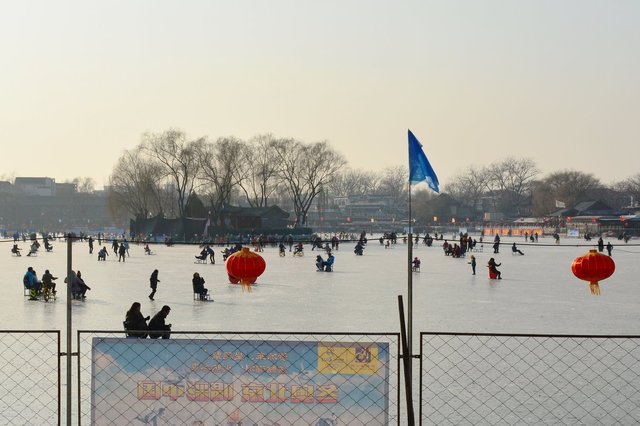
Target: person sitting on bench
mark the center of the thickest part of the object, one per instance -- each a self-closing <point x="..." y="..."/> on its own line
<point x="135" y="323"/>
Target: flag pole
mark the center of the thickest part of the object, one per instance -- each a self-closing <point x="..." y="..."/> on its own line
<point x="410" y="291"/>
<point x="419" y="171"/>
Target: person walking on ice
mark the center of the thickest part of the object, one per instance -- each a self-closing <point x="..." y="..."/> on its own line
<point x="153" y="283"/>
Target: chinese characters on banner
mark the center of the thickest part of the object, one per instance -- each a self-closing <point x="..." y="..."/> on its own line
<point x="201" y="382"/>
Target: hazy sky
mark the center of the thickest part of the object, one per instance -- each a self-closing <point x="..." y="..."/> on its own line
<point x="477" y="81"/>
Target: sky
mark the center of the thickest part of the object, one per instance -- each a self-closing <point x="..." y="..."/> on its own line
<point x="476" y="81"/>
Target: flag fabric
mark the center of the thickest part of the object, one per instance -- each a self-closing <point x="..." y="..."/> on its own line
<point x="420" y="169"/>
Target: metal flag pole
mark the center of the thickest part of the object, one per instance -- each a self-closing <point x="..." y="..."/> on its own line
<point x="69" y="277"/>
<point x="410" y="285"/>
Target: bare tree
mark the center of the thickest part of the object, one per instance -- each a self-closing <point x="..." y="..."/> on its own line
<point x="510" y="182"/>
<point x="354" y="182"/>
<point x="395" y="183"/>
<point x="258" y="175"/>
<point x="305" y="169"/>
<point x="218" y="164"/>
<point x="179" y="161"/>
<point x="469" y="187"/>
<point x="134" y="184"/>
<point x="84" y="184"/>
<point x="569" y="186"/>
<point x="630" y="188"/>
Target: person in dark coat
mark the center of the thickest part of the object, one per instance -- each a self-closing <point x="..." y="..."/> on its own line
<point x="122" y="250"/>
<point x="48" y="281"/>
<point x="82" y="286"/>
<point x="157" y="326"/>
<point x="515" y="249"/>
<point x="153" y="283"/>
<point x="493" y="268"/>
<point x="198" y="286"/>
<point x="135" y="323"/>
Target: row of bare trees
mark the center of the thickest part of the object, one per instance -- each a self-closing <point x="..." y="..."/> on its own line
<point x="159" y="176"/>
<point x="513" y="187"/>
<point x="162" y="173"/>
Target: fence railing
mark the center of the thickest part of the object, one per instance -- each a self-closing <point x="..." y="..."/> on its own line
<point x="476" y="379"/>
<point x="295" y="392"/>
<point x="30" y="377"/>
<point x="466" y="379"/>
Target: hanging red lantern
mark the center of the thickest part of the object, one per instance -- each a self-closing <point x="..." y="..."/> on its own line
<point x="593" y="267"/>
<point x="245" y="266"/>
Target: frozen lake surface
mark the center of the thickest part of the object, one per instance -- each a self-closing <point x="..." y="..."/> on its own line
<point x="538" y="292"/>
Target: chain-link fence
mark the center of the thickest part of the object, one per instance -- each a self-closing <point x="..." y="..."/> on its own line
<point x="225" y="378"/>
<point x="29" y="377"/>
<point x="476" y="379"/>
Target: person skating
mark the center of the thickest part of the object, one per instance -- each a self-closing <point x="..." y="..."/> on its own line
<point x="122" y="250"/>
<point x="153" y="283"/>
<point x="473" y="265"/>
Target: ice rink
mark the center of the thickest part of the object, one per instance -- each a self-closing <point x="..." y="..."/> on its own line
<point x="538" y="292"/>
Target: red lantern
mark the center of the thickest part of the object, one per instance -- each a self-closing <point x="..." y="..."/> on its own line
<point x="593" y="267"/>
<point x="245" y="266"/>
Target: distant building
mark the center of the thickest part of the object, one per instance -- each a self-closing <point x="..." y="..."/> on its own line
<point x="65" y="189"/>
<point x="42" y="186"/>
<point x="272" y="217"/>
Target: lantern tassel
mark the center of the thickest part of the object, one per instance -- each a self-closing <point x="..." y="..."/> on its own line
<point x="246" y="286"/>
<point x="595" y="288"/>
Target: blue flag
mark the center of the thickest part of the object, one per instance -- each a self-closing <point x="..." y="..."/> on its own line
<point x="419" y="168"/>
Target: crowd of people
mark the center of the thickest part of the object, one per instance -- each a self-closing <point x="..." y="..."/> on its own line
<point x="139" y="326"/>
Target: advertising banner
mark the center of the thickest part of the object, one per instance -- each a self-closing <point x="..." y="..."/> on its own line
<point x="239" y="382"/>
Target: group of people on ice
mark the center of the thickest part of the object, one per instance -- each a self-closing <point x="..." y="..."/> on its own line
<point x="325" y="265"/>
